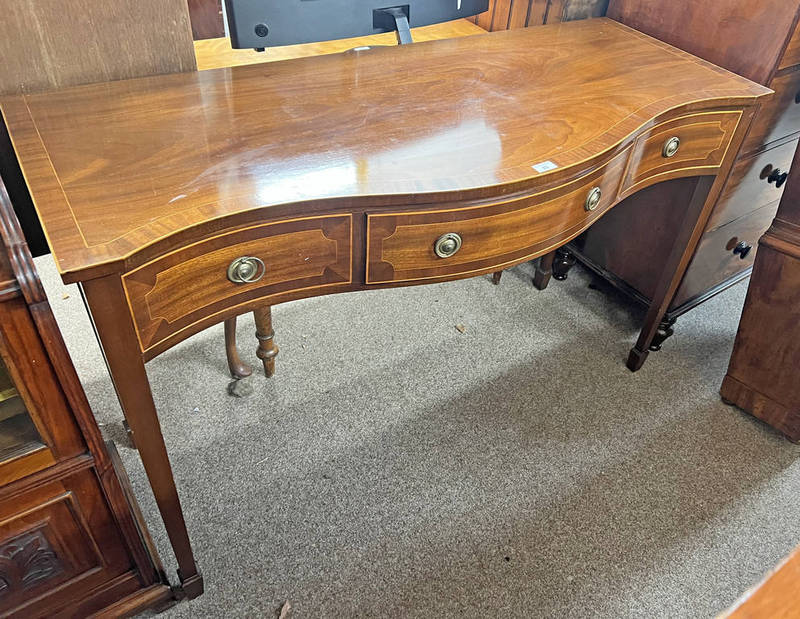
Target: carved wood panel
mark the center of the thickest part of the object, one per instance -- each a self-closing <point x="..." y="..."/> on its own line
<point x="45" y="545"/>
<point x="26" y="561"/>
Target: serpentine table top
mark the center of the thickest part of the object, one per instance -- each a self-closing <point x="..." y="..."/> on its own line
<point x="116" y="168"/>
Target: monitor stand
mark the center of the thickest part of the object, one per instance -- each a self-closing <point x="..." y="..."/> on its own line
<point x="394" y="18"/>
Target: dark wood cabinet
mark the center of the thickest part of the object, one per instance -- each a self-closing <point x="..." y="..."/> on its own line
<point x="70" y="541"/>
<point x="510" y="14"/>
<point x="630" y="245"/>
<point x="762" y="375"/>
<point x="206" y="18"/>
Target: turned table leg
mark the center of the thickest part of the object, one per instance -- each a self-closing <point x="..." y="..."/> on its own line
<point x="108" y="307"/>
<point x="267" y="350"/>
<point x="237" y="367"/>
<point x="496" y="277"/>
<point x="544" y="271"/>
<point x="563" y="261"/>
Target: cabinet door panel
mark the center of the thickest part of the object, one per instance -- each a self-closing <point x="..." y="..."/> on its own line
<point x="46" y="433"/>
<point x="57" y="542"/>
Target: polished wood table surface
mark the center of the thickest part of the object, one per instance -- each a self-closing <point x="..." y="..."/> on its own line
<point x="179" y="201"/>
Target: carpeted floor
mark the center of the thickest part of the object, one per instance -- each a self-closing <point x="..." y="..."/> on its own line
<point x="396" y="467"/>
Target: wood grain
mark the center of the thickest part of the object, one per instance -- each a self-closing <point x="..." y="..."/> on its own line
<point x="748" y="188"/>
<point x="778" y="117"/>
<point x="774" y="598"/>
<point x="307" y="253"/>
<point x="400" y="246"/>
<point x="714" y="261"/>
<point x="704" y="141"/>
<point x="510" y="14"/>
<point x="791" y="56"/>
<point x="737" y="35"/>
<point x="629" y="246"/>
<point x="65" y="494"/>
<point x="762" y="375"/>
<point x="206" y="18"/>
<point x="215" y="53"/>
<point x="131" y="177"/>
<point x="115" y="329"/>
<point x="48" y="44"/>
<point x="30" y="369"/>
<point x="67" y="518"/>
<point x="242" y="142"/>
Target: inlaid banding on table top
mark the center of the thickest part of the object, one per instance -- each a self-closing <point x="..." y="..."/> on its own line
<point x="119" y="168"/>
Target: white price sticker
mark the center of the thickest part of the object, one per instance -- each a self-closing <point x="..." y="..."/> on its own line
<point x="545" y="166"/>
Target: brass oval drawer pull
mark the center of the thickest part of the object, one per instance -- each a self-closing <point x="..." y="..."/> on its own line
<point x="246" y="270"/>
<point x="671" y="147"/>
<point x="447" y="245"/>
<point x="593" y="199"/>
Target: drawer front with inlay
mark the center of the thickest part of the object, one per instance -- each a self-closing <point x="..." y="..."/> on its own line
<point x="779" y="117"/>
<point x="173" y="292"/>
<point x="754" y="182"/>
<point x="686" y="146"/>
<point x="427" y="245"/>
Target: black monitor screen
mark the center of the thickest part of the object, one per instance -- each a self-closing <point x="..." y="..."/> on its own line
<point x="270" y="23"/>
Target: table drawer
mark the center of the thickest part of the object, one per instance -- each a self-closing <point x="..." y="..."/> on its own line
<point x="779" y="116"/>
<point x="717" y="258"/>
<point x="401" y="246"/>
<point x="173" y="292"/>
<point x="686" y="146"/>
<point x="755" y="182"/>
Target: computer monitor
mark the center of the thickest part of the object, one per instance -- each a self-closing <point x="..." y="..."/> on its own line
<point x="270" y="23"/>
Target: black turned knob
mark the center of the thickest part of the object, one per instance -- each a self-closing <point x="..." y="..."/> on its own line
<point x="742" y="248"/>
<point x="777" y="177"/>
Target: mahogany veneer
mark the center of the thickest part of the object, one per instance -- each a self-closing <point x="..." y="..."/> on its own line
<point x="762" y="377"/>
<point x="759" y="40"/>
<point x="72" y="542"/>
<point x="341" y="173"/>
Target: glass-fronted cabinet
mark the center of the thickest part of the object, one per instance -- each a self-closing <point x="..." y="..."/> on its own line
<point x="37" y="428"/>
<point x="18" y="434"/>
<point x="72" y="542"/>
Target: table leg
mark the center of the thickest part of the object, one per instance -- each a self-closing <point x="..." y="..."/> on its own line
<point x="267" y="350"/>
<point x="691" y="229"/>
<point x="544" y="270"/>
<point x="109" y="311"/>
<point x="706" y="193"/>
<point x="237" y="367"/>
<point x="496" y="277"/>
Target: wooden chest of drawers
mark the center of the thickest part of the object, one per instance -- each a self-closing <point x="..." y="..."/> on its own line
<point x="761" y="41"/>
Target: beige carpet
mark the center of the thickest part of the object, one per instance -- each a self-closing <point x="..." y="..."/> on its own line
<point x="396" y="467"/>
